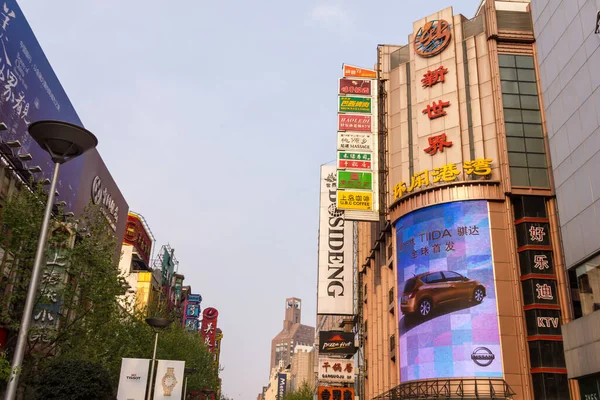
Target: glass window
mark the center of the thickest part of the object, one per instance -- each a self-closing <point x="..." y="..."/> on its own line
<point x="532" y="117"/>
<point x="526" y="75"/>
<point x="528" y="88"/>
<point x="588" y="283"/>
<point x="434" y="277"/>
<point x="506" y="60"/>
<point x="515" y="144"/>
<point x="513" y="129"/>
<point x="512" y="115"/>
<point x="536" y="160"/>
<point x="511" y="101"/>
<point x="517" y="159"/>
<point x="510" y="87"/>
<point x="508" y="74"/>
<point x="519" y="176"/>
<point x="452" y="276"/>
<point x="524" y="62"/>
<point x="533" y="130"/>
<point x="530" y="102"/>
<point x="534" y="145"/>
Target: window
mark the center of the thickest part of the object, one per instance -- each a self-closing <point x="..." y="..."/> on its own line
<point x="434" y="277"/>
<point x="453" y="276"/>
<point x="523" y="122"/>
<point x="588" y="287"/>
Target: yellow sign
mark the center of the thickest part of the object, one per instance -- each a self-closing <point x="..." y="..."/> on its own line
<point x="362" y="201"/>
<point x="445" y="173"/>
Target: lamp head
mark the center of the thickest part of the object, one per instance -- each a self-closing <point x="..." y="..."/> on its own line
<point x="62" y="140"/>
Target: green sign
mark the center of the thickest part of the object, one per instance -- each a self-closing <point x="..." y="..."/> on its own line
<point x="355" y="180"/>
<point x="355" y="156"/>
<point x="355" y="104"/>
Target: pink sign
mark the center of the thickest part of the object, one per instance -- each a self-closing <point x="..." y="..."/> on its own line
<point x="349" y="122"/>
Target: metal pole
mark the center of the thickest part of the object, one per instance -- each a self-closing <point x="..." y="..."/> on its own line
<point x="17" y="361"/>
<point x="185" y="388"/>
<point x="152" y="369"/>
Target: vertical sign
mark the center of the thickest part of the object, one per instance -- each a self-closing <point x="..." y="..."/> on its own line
<point x="281" y="385"/>
<point x="209" y="327"/>
<point x="133" y="379"/>
<point x="335" y="286"/>
<point x="169" y="380"/>
<point x="358" y="131"/>
<point x="191" y="312"/>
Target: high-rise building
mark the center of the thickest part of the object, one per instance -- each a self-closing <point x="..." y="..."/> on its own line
<point x="461" y="280"/>
<point x="568" y="42"/>
<point x="292" y="334"/>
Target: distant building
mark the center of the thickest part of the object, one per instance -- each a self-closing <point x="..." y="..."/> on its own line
<point x="292" y="334"/>
<point x="303" y="367"/>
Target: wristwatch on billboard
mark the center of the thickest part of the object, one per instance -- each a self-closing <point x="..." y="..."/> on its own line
<point x="168" y="382"/>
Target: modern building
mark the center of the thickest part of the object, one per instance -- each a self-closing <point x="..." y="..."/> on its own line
<point x="292" y="334"/>
<point x="462" y="291"/>
<point x="568" y="52"/>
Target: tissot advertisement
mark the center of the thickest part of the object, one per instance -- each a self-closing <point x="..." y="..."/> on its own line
<point x="133" y="379"/>
<point x="449" y="320"/>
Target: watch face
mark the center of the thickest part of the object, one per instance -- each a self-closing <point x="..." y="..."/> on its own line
<point x="169" y="381"/>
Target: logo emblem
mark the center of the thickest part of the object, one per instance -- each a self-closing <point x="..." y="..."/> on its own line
<point x="97" y="190"/>
<point x="432" y="38"/>
<point x="482" y="356"/>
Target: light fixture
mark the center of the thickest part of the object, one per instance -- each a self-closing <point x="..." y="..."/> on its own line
<point x="13" y="144"/>
<point x="25" y="157"/>
<point x="46" y="181"/>
<point x="3" y="126"/>
<point x="61" y="203"/>
<point x="69" y="214"/>
<point x="34" y="170"/>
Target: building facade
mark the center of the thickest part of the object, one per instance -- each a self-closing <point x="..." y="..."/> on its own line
<point x="568" y="44"/>
<point x="292" y="334"/>
<point x="461" y="279"/>
<point x="303" y="367"/>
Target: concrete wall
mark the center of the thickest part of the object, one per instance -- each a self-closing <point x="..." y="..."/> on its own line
<point x="569" y="60"/>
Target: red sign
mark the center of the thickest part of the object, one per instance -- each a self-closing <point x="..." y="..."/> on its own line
<point x="355" y="164"/>
<point x="137" y="236"/>
<point x="209" y="327"/>
<point x="335" y="393"/>
<point x="437" y="143"/>
<point x="434" y="77"/>
<point x="355" y="86"/>
<point x="436" y="110"/>
<point x="432" y="38"/>
<point x="359" y="123"/>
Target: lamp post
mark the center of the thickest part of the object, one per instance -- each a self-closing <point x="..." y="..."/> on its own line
<point x="157" y="324"/>
<point x="64" y="142"/>
<point x="187" y="371"/>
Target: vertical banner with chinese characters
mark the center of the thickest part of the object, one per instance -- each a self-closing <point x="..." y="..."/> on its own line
<point x="209" y="327"/>
<point x="133" y="379"/>
<point x="335" y="287"/>
<point x="358" y="144"/>
<point x="539" y="284"/>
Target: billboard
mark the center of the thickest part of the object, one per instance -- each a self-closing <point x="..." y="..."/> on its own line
<point x="355" y="142"/>
<point x="336" y="370"/>
<point x="281" y="386"/>
<point x="336" y="342"/>
<point x="31" y="92"/>
<point x="133" y="379"/>
<point x="354" y="104"/>
<point x="335" y="291"/>
<point x="209" y="327"/>
<point x="137" y="236"/>
<point x="355" y="180"/>
<point x="360" y="123"/>
<point x="355" y="86"/>
<point x="353" y="71"/>
<point x="448" y="322"/>
<point x="169" y="380"/>
<point x="335" y="393"/>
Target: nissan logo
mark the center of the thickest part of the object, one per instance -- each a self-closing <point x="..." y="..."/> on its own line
<point x="482" y="356"/>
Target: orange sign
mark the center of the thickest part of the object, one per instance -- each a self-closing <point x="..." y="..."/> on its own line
<point x="137" y="236"/>
<point x="356" y="72"/>
<point x="432" y="38"/>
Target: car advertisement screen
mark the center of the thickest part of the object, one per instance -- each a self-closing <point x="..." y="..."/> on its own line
<point x="448" y="322"/>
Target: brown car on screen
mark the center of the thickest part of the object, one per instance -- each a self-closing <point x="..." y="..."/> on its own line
<point x="422" y="293"/>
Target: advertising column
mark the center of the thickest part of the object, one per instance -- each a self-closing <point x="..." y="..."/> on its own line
<point x="209" y="327"/>
<point x="357" y="157"/>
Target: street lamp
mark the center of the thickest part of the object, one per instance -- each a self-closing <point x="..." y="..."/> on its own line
<point x="64" y="142"/>
<point x="157" y="324"/>
<point x="187" y="371"/>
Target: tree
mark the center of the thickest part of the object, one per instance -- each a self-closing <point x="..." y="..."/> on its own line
<point x="74" y="380"/>
<point x="304" y="392"/>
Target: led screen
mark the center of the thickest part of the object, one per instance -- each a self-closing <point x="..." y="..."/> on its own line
<point x="448" y="322"/>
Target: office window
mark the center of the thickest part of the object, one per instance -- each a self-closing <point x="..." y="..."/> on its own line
<point x="523" y="121"/>
<point x="588" y="284"/>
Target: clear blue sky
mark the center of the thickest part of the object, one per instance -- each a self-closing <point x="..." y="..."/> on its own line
<point x="213" y="118"/>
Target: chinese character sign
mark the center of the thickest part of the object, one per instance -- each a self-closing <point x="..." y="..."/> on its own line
<point x="336" y="370"/>
<point x="335" y="393"/>
<point x="446" y="293"/>
<point x="355" y="86"/>
<point x="209" y="327"/>
<point x="437" y="143"/>
<point x="359" y="123"/>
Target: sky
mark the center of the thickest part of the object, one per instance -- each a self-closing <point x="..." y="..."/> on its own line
<point x="213" y="118"/>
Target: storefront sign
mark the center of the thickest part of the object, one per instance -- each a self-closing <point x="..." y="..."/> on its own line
<point x="536" y="262"/>
<point x="355" y="180"/>
<point x="443" y="174"/>
<point x="137" y="236"/>
<point x="102" y="198"/>
<point x="281" y="386"/>
<point x="543" y="322"/>
<point x="355" y="142"/>
<point x="348" y="160"/>
<point x="355" y="104"/>
<point x="534" y="234"/>
<point x="355" y="86"/>
<point x="539" y="291"/>
<point x="437" y="143"/>
<point x="432" y="38"/>
<point x="336" y="370"/>
<point x="351" y="71"/>
<point x="335" y="393"/>
<point x="336" y="342"/>
<point x="209" y="327"/>
<point x="359" y="123"/>
<point x="436" y="110"/>
<point x="362" y="201"/>
<point x="432" y="78"/>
